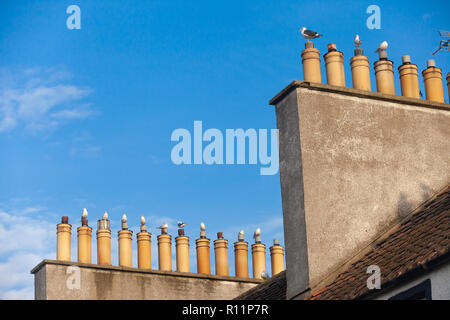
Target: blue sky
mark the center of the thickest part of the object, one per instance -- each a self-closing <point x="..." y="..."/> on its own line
<point x="86" y="115"/>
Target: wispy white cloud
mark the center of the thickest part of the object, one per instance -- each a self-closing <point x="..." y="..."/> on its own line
<point x="39" y="99"/>
<point x="27" y="237"/>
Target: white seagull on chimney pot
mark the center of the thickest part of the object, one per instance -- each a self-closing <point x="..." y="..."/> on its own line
<point x="309" y="34"/>
<point x="383" y="46"/>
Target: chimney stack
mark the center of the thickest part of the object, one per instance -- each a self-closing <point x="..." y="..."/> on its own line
<point x="63" y="234"/>
<point x="384" y="74"/>
<point x="84" y="239"/>
<point x="144" y="247"/>
<point x="276" y="257"/>
<point x="311" y="63"/>
<point x="334" y="65"/>
<point x="125" y="244"/>
<point x="164" y="250"/>
<point x="258" y="256"/>
<point x="360" y="71"/>
<point x="203" y="256"/>
<point x="104" y="240"/>
<point x="241" y="256"/>
<point x="432" y="77"/>
<point x="221" y="255"/>
<point x="409" y="79"/>
<point x="182" y="248"/>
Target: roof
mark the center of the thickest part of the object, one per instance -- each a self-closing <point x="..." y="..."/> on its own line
<point x="416" y="244"/>
<point x="412" y="246"/>
<point x="273" y="289"/>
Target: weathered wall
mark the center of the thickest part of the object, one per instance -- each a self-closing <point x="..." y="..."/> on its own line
<point x="105" y="283"/>
<point x="367" y="160"/>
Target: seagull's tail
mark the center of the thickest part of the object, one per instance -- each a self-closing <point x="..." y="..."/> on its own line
<point x="319" y="35"/>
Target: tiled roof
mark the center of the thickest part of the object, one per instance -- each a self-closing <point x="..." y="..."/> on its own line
<point x="273" y="289"/>
<point x="421" y="239"/>
<point x="417" y="242"/>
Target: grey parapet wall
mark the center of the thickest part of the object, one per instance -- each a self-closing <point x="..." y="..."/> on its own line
<point x="352" y="164"/>
<point x="63" y="280"/>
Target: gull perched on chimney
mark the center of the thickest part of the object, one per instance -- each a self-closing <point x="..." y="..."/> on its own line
<point x="143" y="226"/>
<point x="309" y="34"/>
<point x="257" y="235"/>
<point x="181" y="224"/>
<point x="383" y="46"/>
<point x="356" y="41"/>
<point x="84" y="215"/>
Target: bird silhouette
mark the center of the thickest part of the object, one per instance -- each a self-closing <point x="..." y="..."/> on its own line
<point x="163" y="226"/>
<point x="202" y="226"/>
<point x="181" y="224"/>
<point x="105" y="216"/>
<point x="309" y="34"/>
<point x="124" y="218"/>
<point x="84" y="215"/>
<point x="257" y="233"/>
<point x="142" y="220"/>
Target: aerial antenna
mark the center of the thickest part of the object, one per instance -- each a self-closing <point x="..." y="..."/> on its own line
<point x="443" y="44"/>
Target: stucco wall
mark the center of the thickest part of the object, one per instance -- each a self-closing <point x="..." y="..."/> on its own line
<point x="55" y="281"/>
<point x="440" y="288"/>
<point x="367" y="160"/>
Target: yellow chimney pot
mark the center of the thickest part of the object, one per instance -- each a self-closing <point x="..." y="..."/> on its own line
<point x="165" y="252"/>
<point x="84" y="244"/>
<point x="334" y="65"/>
<point x="409" y="78"/>
<point x="125" y="248"/>
<point x="103" y="241"/>
<point x="311" y="63"/>
<point x="221" y="255"/>
<point x="259" y="259"/>
<point x="144" y="250"/>
<point x="360" y="71"/>
<point x="384" y="74"/>
<point x="182" y="248"/>
<point x="432" y="77"/>
<point x="63" y="234"/>
<point x="277" y="258"/>
<point x="241" y="258"/>
<point x="203" y="256"/>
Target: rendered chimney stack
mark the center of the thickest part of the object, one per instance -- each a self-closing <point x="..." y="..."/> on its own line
<point x="311" y="63"/>
<point x="84" y="239"/>
<point x="182" y="248"/>
<point x="144" y="247"/>
<point x="276" y="257"/>
<point x="221" y="255"/>
<point x="334" y="65"/>
<point x="125" y="244"/>
<point x="360" y="71"/>
<point x="203" y="256"/>
<point x="258" y="256"/>
<point x="164" y="249"/>
<point x="409" y="79"/>
<point x="241" y="256"/>
<point x="63" y="234"/>
<point x="104" y="241"/>
<point x="432" y="77"/>
<point x="384" y="74"/>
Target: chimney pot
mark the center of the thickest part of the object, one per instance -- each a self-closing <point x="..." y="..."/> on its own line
<point x="431" y="63"/>
<point x="219" y="235"/>
<point x="359" y="52"/>
<point x="181" y="232"/>
<point x="309" y="45"/>
<point x="383" y="55"/>
<point x="406" y="59"/>
<point x="276" y="242"/>
<point x="332" y="47"/>
<point x="65" y="219"/>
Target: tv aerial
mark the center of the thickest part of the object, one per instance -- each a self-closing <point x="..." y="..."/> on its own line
<point x="443" y="44"/>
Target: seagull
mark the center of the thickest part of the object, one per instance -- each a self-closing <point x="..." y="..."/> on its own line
<point x="142" y="220"/>
<point x="202" y="226"/>
<point x="163" y="226"/>
<point x="84" y="215"/>
<point x="124" y="218"/>
<point x="309" y="34"/>
<point x="181" y="224"/>
<point x="264" y="275"/>
<point x="383" y="46"/>
<point x="257" y="233"/>
<point x="105" y="216"/>
<point x="357" y="42"/>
